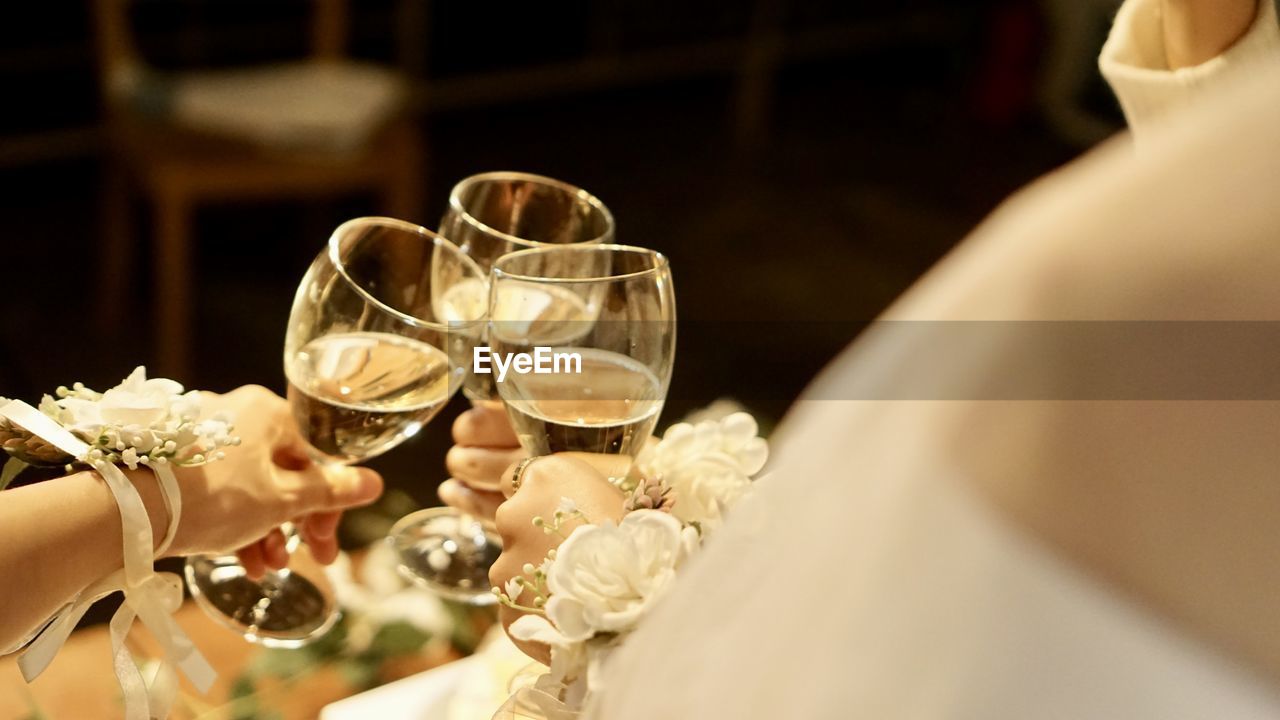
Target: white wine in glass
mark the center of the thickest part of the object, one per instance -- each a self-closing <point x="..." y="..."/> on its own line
<point x="611" y="407"/>
<point x="621" y="332"/>
<point x="370" y="357"/>
<point x="355" y="395"/>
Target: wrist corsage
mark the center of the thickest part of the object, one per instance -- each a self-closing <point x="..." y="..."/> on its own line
<point x="141" y="422"/>
<point x="595" y="589"/>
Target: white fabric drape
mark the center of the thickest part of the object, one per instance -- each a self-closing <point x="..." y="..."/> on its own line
<point x="868" y="578"/>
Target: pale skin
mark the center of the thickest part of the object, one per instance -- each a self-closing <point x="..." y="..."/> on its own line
<point x="64" y="534"/>
<point x="482" y="462"/>
<point x="485" y="445"/>
<point x="543" y="483"/>
<point x="1196" y="31"/>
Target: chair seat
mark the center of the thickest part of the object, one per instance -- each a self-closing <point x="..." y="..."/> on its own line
<point x="170" y="158"/>
<point x="330" y="105"/>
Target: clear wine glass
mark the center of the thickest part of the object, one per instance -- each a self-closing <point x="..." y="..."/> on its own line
<point x="603" y="317"/>
<point x="496" y="213"/>
<point x="373" y="352"/>
<point x="490" y="215"/>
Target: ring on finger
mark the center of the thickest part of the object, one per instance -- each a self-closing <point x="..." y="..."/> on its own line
<point x="517" y="475"/>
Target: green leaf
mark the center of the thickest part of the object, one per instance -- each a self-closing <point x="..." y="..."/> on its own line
<point x="398" y="638"/>
<point x="11" y="470"/>
<point x="283" y="664"/>
<point x="359" y="674"/>
<point x="244" y="706"/>
<point x="466" y="634"/>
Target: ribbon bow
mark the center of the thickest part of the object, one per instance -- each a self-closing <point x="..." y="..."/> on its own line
<point x="148" y="595"/>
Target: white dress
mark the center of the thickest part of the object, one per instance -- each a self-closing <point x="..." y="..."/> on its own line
<point x="868" y="579"/>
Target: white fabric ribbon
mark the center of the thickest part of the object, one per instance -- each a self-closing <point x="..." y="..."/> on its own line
<point x="148" y="595"/>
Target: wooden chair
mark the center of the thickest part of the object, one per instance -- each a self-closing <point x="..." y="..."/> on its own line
<point x="176" y="169"/>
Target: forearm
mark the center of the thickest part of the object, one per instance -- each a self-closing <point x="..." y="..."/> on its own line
<point x="1196" y="31"/>
<point x="60" y="536"/>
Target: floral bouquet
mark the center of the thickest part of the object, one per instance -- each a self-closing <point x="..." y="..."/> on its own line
<point x="595" y="589"/>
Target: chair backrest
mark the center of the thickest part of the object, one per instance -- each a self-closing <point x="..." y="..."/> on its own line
<point x="117" y="48"/>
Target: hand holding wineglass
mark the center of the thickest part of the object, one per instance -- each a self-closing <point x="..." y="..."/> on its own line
<point x="263" y="483"/>
<point x="485" y="446"/>
<point x="372" y="353"/>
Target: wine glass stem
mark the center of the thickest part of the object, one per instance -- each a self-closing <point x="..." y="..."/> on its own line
<point x="270" y="582"/>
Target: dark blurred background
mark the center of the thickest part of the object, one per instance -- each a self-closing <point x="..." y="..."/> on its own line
<point x="802" y="162"/>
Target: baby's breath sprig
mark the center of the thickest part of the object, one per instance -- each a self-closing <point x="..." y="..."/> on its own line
<point x="565" y="512"/>
<point x="140" y="422"/>
<point x="533" y="580"/>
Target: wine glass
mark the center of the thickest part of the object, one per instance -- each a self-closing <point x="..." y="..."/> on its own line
<point x="370" y="357"/>
<point x="601" y="319"/>
<point x="496" y="213"/>
<point x="490" y="215"/>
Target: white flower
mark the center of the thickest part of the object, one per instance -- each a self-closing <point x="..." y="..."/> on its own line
<point x="412" y="606"/>
<point x="577" y="667"/>
<point x="708" y="466"/>
<point x="567" y="506"/>
<point x="381" y="596"/>
<point x="568" y="657"/>
<point x="135" y="402"/>
<point x="513" y="588"/>
<point x="605" y="577"/>
<point x="141" y="418"/>
<point x="715" y="412"/>
<point x="380" y="571"/>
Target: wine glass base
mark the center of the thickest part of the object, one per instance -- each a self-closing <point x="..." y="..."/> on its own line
<point x="282" y="610"/>
<point x="448" y="554"/>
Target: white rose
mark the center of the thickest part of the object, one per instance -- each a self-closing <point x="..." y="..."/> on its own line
<point x="379" y="596"/>
<point x="138" y="401"/>
<point x="380" y="571"/>
<point x="708" y="466"/>
<point x="569" y="659"/>
<point x="142" y="420"/>
<point x="350" y="594"/>
<point x="605" y="577"/>
<point x="413" y="606"/>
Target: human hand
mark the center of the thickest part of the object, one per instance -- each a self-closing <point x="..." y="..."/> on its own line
<point x="484" y="447"/>
<point x="579" y="476"/>
<point x="240" y="501"/>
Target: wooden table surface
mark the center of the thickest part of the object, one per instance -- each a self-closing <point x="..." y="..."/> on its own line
<point x="81" y="685"/>
<point x="80" y="682"/>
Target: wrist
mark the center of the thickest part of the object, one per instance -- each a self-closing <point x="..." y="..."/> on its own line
<point x="144" y="481"/>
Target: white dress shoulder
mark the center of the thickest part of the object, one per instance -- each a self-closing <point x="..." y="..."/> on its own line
<point x="865" y="579"/>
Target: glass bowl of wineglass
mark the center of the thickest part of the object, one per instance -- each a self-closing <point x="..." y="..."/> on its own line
<point x="490" y="215"/>
<point x="609" y="307"/>
<point x="370" y="357"/>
